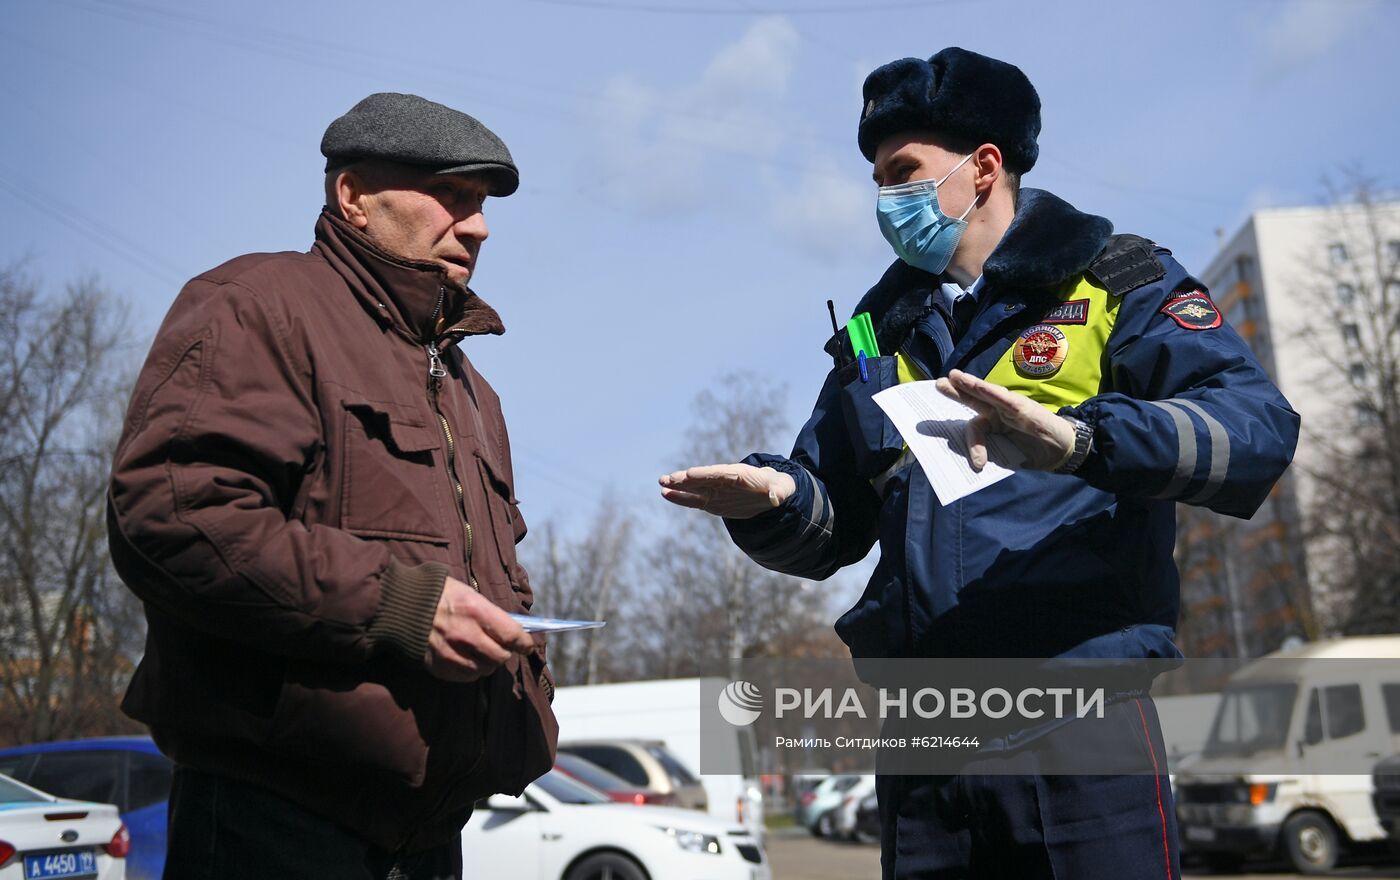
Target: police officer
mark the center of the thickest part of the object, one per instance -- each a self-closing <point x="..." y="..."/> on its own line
<point x="1111" y="369"/>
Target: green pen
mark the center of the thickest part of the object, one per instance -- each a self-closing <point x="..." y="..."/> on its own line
<point x="862" y="335"/>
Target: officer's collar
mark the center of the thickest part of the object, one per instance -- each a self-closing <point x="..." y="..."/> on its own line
<point x="1048" y="243"/>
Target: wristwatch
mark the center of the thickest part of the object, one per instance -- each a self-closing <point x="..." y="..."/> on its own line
<point x="1083" y="445"/>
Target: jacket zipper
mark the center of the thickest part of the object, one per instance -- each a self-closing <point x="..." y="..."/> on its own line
<point x="436" y="373"/>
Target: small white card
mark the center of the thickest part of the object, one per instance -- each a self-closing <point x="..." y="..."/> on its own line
<point x="935" y="427"/>
<point x="534" y="624"/>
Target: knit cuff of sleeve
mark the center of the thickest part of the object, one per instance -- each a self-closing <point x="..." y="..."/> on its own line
<point x="408" y="599"/>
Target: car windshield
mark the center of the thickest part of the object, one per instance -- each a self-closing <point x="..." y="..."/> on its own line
<point x="678" y="772"/>
<point x="570" y="791"/>
<point x="14" y="793"/>
<point x="591" y="774"/>
<point x="1252" y="719"/>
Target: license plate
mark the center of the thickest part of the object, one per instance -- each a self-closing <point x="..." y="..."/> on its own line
<point x="1204" y="835"/>
<point x="51" y="866"/>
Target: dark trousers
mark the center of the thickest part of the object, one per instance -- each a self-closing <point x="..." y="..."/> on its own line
<point x="999" y="818"/>
<point x="221" y="829"/>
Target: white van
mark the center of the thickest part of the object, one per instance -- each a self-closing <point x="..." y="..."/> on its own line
<point x="667" y="710"/>
<point x="1267" y="783"/>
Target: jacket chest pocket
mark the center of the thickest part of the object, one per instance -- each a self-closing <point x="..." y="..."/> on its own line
<point x="874" y="440"/>
<point x="503" y="514"/>
<point x="391" y="477"/>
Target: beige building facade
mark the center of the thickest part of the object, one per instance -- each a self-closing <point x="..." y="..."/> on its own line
<point x="1302" y="286"/>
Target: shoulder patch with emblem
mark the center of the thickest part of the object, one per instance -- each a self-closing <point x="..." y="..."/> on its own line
<point x="1193" y="310"/>
<point x="1075" y="311"/>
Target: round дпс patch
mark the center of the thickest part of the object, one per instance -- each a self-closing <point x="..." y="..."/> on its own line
<point x="1040" y="350"/>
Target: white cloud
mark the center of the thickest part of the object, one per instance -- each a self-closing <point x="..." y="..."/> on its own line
<point x="827" y="215"/>
<point x="662" y="150"/>
<point x="761" y="62"/>
<point x="730" y="133"/>
<point x="1305" y="30"/>
<point x="1262" y="197"/>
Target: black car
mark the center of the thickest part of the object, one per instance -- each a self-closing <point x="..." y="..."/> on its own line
<point x="868" y="819"/>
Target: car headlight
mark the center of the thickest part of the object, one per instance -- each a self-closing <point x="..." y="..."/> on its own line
<point x="693" y="841"/>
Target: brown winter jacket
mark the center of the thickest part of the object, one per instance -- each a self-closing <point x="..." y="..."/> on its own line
<point x="291" y="489"/>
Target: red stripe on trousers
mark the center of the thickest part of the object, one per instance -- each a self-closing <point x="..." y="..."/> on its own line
<point x="1166" y="848"/>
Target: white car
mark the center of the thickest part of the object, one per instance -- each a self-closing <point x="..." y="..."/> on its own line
<point x="844" y="816"/>
<point x="561" y="829"/>
<point x="816" y="811"/>
<point x="46" y="838"/>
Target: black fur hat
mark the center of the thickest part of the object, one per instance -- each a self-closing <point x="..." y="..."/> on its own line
<point x="957" y="93"/>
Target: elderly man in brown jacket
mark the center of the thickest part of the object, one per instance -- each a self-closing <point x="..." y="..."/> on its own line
<point x="313" y="498"/>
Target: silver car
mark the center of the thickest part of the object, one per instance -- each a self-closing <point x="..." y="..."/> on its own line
<point x="817" y="809"/>
<point x="643" y="762"/>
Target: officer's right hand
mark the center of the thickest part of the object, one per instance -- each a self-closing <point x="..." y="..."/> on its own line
<point x="471" y="636"/>
<point x="736" y="491"/>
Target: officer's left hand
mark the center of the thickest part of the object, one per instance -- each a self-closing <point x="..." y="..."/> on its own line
<point x="1046" y="439"/>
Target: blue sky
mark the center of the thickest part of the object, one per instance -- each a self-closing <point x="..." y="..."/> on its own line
<point x="691" y="189"/>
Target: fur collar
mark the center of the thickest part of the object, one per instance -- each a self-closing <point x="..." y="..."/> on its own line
<point x="1047" y="243"/>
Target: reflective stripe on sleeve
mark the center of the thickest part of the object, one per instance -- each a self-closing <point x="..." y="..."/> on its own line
<point x="821" y="506"/>
<point x="906" y="458"/>
<point x="1219" y="451"/>
<point x="1185" y="450"/>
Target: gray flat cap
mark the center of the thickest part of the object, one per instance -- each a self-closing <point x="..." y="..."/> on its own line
<point x="416" y="131"/>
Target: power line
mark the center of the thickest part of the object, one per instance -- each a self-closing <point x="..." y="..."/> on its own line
<point x="90" y="227"/>
<point x="807" y="37"/>
<point x="845" y="9"/>
<point x="136" y="13"/>
<point x="528" y="460"/>
<point x="1085" y="174"/>
<point x="108" y="75"/>
<point x="290" y="47"/>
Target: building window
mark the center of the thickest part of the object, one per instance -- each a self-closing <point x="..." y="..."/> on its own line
<point x="1244" y="267"/>
<point x="1346" y="294"/>
<point x="1365" y="415"/>
<point x="1249" y="309"/>
<point x="1392" y="250"/>
<point x="1351" y="334"/>
<point x="1337" y="253"/>
<point x="1357" y="373"/>
<point x="1392" y="292"/>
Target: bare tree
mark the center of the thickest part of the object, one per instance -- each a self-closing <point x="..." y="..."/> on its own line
<point x="68" y="627"/>
<point x="706" y="603"/>
<point x="588" y="578"/>
<point x="1354" y="514"/>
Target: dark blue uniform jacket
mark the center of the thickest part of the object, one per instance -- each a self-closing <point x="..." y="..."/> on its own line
<point x="1039" y="564"/>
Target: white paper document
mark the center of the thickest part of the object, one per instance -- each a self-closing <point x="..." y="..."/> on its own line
<point x="534" y="624"/>
<point x="935" y="427"/>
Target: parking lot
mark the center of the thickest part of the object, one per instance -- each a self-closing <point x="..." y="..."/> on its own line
<point x="796" y="855"/>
